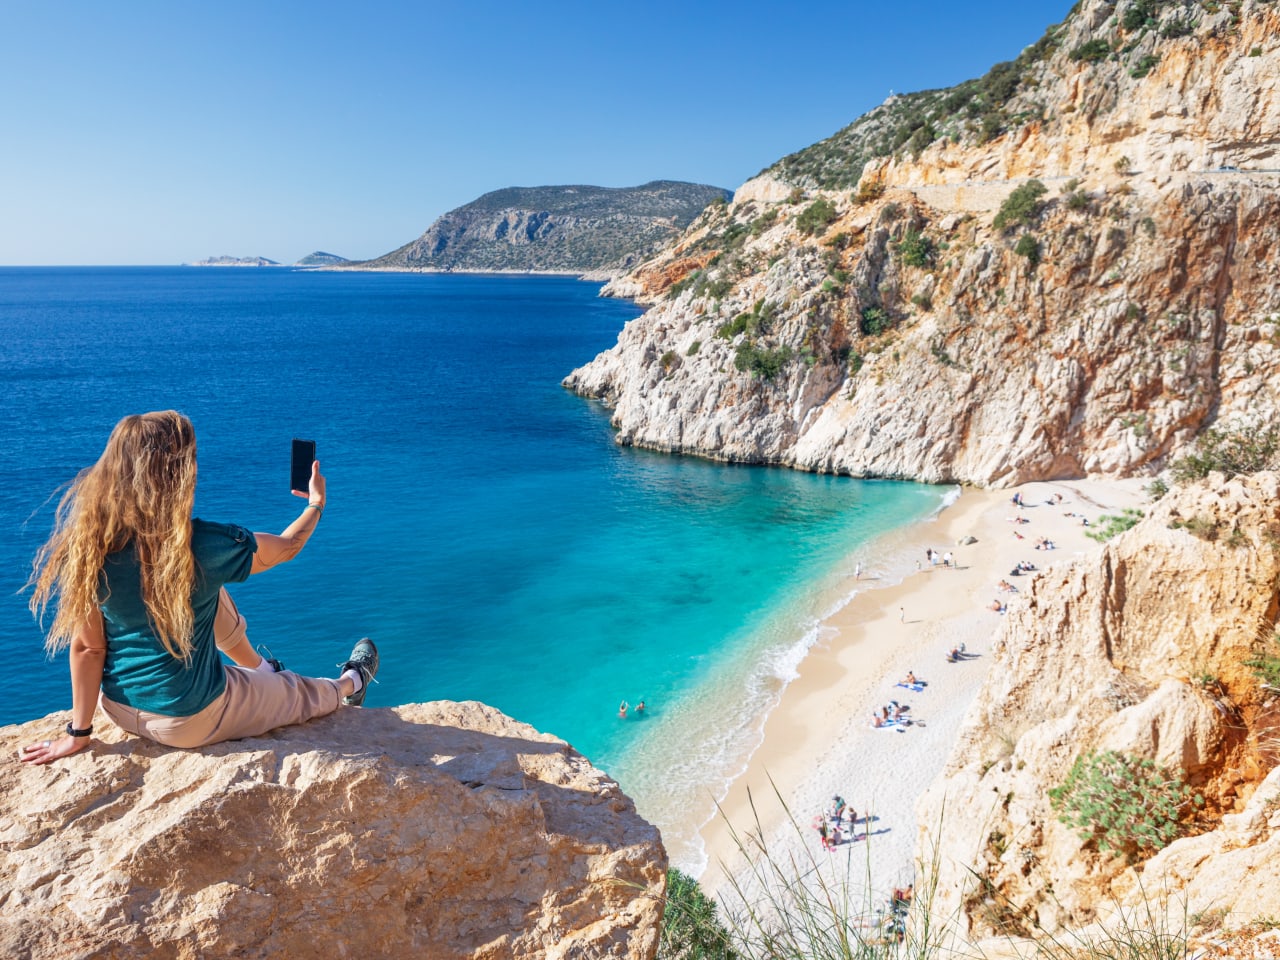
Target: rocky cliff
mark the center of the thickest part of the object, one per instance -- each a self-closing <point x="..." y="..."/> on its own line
<point x="570" y="229"/>
<point x="439" y="830"/>
<point x="906" y="300"/>
<point x="1149" y="648"/>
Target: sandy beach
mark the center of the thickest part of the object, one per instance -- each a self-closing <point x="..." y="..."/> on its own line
<point x="819" y="740"/>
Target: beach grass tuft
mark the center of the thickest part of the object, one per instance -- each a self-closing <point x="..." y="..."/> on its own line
<point x="784" y="905"/>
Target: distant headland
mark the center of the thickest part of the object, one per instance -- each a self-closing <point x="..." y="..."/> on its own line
<point x="601" y="231"/>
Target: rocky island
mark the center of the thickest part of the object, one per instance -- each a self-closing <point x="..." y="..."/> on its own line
<point x="225" y="261"/>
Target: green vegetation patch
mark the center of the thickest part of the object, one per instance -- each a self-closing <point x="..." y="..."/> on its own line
<point x="691" y="927"/>
<point x="915" y="249"/>
<point x="1028" y="246"/>
<point x="760" y="361"/>
<point x="1144" y="66"/>
<point x="1266" y="664"/>
<point x="1091" y="51"/>
<point x="816" y="217"/>
<point x="977" y="109"/>
<point x="1232" y="449"/>
<point x="1109" y="526"/>
<point x="758" y="321"/>
<point x="874" y="321"/>
<point x="1127" y="804"/>
<point x="1021" y="207"/>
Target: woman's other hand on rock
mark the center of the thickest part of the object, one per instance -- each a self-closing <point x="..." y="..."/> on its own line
<point x="47" y="751"/>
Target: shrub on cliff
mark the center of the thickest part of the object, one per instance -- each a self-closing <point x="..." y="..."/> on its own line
<point x="1091" y="51"/>
<point x="915" y="249"/>
<point x="816" y="217"/>
<point x="1029" y="247"/>
<point x="1022" y="206"/>
<point x="874" y="321"/>
<point x="1231" y="449"/>
<point x="1127" y="804"/>
<point x="761" y="361"/>
<point x="691" y="928"/>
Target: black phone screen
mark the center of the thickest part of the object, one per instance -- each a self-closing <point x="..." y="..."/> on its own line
<point x="304" y="454"/>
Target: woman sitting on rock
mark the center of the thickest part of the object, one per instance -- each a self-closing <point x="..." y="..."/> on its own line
<point x="140" y="602"/>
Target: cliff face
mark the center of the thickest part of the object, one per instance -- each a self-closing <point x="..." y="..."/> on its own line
<point x="575" y="229"/>
<point x="1141" y="649"/>
<point x="443" y="830"/>
<point x="893" y="330"/>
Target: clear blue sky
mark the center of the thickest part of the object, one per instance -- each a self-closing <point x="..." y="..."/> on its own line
<point x="152" y="133"/>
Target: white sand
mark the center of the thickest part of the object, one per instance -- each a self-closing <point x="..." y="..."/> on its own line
<point x="819" y="742"/>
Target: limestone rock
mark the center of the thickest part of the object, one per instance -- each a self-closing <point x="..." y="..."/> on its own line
<point x="440" y="830"/>
<point x="1149" y="311"/>
<point x="1140" y="648"/>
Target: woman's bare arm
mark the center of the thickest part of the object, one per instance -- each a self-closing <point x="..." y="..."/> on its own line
<point x="88" y="654"/>
<point x="274" y="549"/>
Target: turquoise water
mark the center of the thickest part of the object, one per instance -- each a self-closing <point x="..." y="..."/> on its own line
<point x="482" y="525"/>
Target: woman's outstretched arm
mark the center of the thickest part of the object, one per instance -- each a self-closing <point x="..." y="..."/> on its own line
<point x="275" y="549"/>
<point x="88" y="654"/>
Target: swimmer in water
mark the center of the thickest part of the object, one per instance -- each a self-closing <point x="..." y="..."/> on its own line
<point x="622" y="711"/>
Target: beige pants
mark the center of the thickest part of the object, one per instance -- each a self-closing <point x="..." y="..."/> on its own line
<point x="253" y="702"/>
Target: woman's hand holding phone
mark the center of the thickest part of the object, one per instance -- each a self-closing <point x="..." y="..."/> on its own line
<point x="315" y="488"/>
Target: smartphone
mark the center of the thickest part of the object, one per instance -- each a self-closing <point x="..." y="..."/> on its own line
<point x="304" y="454"/>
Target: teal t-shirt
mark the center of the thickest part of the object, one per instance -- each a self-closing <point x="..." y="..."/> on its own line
<point x="139" y="672"/>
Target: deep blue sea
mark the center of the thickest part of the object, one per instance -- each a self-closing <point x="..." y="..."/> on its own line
<point x="482" y="525"/>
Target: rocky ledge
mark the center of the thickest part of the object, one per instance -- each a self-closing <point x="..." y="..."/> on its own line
<point x="439" y="829"/>
<point x="1148" y="648"/>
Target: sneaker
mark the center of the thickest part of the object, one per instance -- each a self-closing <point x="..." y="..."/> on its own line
<point x="364" y="657"/>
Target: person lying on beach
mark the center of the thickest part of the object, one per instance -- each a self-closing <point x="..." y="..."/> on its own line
<point x="1017" y="520"/>
<point x="877" y="720"/>
<point x="956" y="653"/>
<point x="997" y="606"/>
<point x="138" y="588"/>
<point x="1006" y="586"/>
<point x="911" y="677"/>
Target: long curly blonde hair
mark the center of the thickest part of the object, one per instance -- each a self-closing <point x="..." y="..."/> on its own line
<point x="140" y="491"/>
